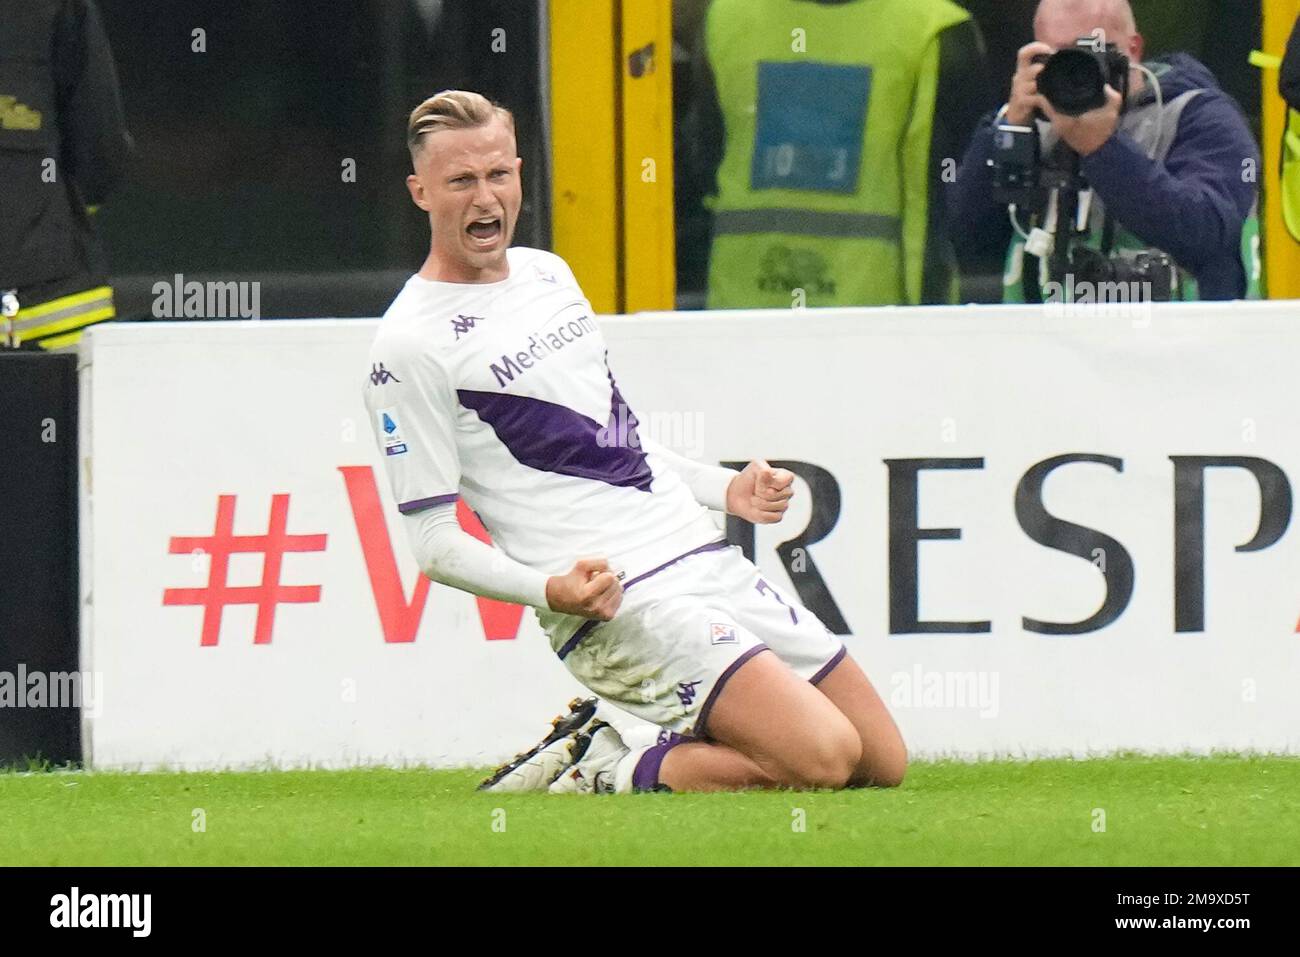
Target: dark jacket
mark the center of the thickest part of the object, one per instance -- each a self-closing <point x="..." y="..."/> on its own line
<point x="60" y="119"/>
<point x="1192" y="206"/>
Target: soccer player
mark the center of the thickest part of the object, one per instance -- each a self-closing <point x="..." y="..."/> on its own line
<point x="489" y="381"/>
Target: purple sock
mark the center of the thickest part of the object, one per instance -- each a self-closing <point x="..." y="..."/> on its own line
<point x="645" y="777"/>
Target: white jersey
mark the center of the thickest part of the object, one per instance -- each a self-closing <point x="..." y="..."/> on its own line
<point x="500" y="393"/>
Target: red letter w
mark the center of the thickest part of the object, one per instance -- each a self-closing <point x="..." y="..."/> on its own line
<point x="399" y="618"/>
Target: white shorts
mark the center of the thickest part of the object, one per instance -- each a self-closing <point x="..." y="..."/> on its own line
<point x="683" y="630"/>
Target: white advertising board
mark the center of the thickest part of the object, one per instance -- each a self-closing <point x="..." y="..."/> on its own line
<point x="1028" y="528"/>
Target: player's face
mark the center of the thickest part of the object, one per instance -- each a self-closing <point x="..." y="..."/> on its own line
<point x="468" y="182"/>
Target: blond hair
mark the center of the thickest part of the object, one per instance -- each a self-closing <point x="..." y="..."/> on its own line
<point x="453" y="110"/>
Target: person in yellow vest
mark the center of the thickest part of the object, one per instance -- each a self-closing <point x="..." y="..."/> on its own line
<point x="820" y="118"/>
<point x="1289" y="87"/>
<point x="63" y="147"/>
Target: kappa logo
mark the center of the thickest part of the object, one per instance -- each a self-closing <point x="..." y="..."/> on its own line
<point x="721" y="634"/>
<point x="686" y="692"/>
<point x="379" y="375"/>
<point x="463" y="324"/>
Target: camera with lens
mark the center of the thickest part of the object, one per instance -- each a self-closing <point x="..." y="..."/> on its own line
<point x="1074" y="80"/>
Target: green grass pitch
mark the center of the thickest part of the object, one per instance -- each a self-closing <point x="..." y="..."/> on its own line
<point x="1157" y="811"/>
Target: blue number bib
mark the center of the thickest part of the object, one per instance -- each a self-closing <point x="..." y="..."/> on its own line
<point x="811" y="121"/>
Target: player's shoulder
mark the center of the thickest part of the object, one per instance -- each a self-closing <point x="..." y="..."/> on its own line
<point x="402" y="346"/>
<point x="541" y="264"/>
<point x="397" y="335"/>
<point x="404" y="327"/>
<point x="416" y="300"/>
<point x="527" y="255"/>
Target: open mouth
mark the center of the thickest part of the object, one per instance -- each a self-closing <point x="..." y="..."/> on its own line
<point x="484" y="231"/>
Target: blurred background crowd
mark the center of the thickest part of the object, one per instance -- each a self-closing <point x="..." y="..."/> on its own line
<point x="838" y="147"/>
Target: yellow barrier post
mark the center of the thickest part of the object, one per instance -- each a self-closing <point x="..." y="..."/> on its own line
<point x="649" y="273"/>
<point x="612" y="149"/>
<point x="584" y="154"/>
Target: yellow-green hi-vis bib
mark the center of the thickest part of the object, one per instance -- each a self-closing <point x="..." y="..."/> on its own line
<point x="822" y="190"/>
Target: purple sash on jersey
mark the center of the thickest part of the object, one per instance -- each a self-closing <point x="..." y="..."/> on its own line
<point x="555" y="438"/>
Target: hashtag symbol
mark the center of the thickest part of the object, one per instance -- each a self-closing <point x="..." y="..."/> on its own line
<point x="223" y="543"/>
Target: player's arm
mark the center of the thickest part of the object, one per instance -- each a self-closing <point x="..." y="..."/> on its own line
<point x="758" y="494"/>
<point x="446" y="553"/>
<point x="708" y="483"/>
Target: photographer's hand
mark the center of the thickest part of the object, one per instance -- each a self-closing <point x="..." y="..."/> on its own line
<point x="1087" y="133"/>
<point x="1024" y="85"/>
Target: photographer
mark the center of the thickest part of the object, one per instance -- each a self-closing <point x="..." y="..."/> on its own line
<point x="1171" y="168"/>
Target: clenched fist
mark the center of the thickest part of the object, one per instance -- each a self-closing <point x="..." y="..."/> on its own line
<point x="760" y="493"/>
<point x="589" y="590"/>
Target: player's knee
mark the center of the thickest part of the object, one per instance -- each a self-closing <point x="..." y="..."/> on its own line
<point x="892" y="770"/>
<point x="839" y="760"/>
<point x="885" y="768"/>
<point x="829" y="762"/>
